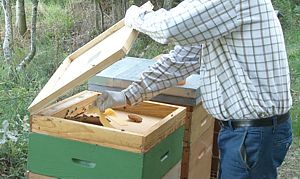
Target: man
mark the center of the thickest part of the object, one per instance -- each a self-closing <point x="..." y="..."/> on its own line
<point x="237" y="47"/>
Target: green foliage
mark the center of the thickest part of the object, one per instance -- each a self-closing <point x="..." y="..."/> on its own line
<point x="13" y="164"/>
<point x="288" y="8"/>
<point x="144" y="47"/>
<point x="61" y="3"/>
<point x="294" y="59"/>
<point x="291" y="26"/>
<point x="55" y="20"/>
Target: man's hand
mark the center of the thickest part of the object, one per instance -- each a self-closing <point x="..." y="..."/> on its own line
<point x="132" y="16"/>
<point x="110" y="99"/>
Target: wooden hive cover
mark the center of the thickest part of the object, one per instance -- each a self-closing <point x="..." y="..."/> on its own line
<point x="96" y="55"/>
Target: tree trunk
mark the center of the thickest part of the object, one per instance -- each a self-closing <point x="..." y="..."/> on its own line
<point x="97" y="25"/>
<point x="98" y="16"/>
<point x="101" y="16"/>
<point x="168" y="4"/>
<point x="139" y="2"/>
<point x="125" y="6"/>
<point x="20" y="17"/>
<point x="31" y="54"/>
<point x="117" y="10"/>
<point x="8" y="36"/>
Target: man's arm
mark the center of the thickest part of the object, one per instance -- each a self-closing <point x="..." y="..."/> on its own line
<point x="189" y="23"/>
<point x="167" y="72"/>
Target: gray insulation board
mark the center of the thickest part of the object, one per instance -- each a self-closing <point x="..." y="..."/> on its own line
<point x="122" y="73"/>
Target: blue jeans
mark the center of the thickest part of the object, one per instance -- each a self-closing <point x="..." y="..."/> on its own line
<point x="253" y="152"/>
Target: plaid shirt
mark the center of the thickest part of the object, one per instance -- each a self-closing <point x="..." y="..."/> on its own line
<point x="237" y="47"/>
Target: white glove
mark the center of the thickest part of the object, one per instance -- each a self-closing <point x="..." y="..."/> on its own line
<point x="133" y="16"/>
<point x="110" y="99"/>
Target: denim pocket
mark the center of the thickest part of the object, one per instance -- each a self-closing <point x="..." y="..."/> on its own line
<point x="281" y="143"/>
<point x="250" y="147"/>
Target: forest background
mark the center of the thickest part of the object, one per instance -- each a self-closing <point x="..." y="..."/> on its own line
<point x="46" y="35"/>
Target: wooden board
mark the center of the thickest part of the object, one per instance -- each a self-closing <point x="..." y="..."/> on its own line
<point x="201" y="155"/>
<point x="216" y="155"/>
<point x="200" y="147"/>
<point x="93" y="57"/>
<point x="201" y="170"/>
<point x="73" y="103"/>
<point x="87" y="133"/>
<point x="174" y="173"/>
<point x="200" y="122"/>
<point x="197" y="125"/>
<point x="31" y="175"/>
<point x="120" y="121"/>
<point x="163" y="120"/>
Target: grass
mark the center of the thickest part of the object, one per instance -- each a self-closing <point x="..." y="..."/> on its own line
<point x="54" y="43"/>
<point x="292" y="37"/>
<point x="291" y="25"/>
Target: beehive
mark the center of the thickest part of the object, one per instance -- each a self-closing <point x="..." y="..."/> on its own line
<point x="196" y="158"/>
<point x="64" y="148"/>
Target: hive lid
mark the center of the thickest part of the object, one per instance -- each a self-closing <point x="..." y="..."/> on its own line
<point x="107" y="48"/>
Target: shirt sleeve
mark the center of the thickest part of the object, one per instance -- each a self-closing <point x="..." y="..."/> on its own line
<point x="170" y="69"/>
<point x="189" y="23"/>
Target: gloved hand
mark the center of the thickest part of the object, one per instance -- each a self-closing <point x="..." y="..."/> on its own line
<point x="110" y="99"/>
<point x="132" y="16"/>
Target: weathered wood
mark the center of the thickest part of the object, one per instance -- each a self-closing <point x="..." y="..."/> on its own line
<point x="31" y="175"/>
<point x="216" y="155"/>
<point x="197" y="125"/>
<point x="201" y="155"/>
<point x="196" y="158"/>
<point x="215" y="164"/>
<point x="80" y="100"/>
<point x="185" y="163"/>
<point x="201" y="170"/>
<point x="174" y="173"/>
<point x="200" y="122"/>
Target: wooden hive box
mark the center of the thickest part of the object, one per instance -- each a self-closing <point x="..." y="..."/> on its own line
<point x="66" y="148"/>
<point x="198" y="122"/>
<point x="66" y="141"/>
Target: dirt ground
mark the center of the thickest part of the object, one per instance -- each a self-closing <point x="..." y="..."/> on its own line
<point x="290" y="168"/>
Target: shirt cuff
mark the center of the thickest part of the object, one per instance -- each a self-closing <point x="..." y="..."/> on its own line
<point x="133" y="94"/>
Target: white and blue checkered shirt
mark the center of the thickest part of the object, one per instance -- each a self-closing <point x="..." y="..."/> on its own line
<point x="238" y="48"/>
